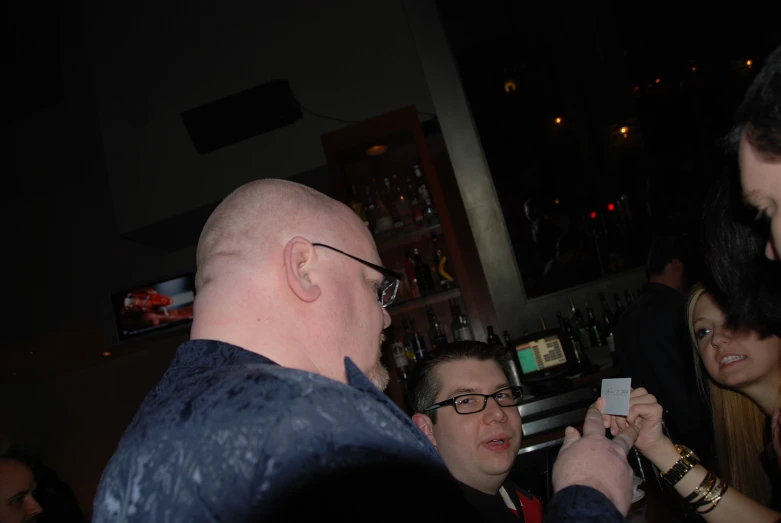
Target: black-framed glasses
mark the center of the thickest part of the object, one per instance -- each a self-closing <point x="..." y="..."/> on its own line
<point x="474" y="403"/>
<point x="386" y="292"/>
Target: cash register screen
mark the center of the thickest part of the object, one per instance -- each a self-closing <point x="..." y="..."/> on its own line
<point x="540" y="354"/>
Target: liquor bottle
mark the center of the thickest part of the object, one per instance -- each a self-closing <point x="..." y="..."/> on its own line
<point x="630" y="298"/>
<point x="436" y="334"/>
<point x="392" y="207"/>
<point x="409" y="344"/>
<point x="429" y="213"/>
<point x="608" y="318"/>
<point x="619" y="306"/>
<point x="409" y="269"/>
<point x="608" y="322"/>
<point x="594" y="329"/>
<point x="418" y="342"/>
<point x="400" y="360"/>
<point x="513" y="365"/>
<point x="401" y="200"/>
<point x="414" y="201"/>
<point x="462" y="331"/>
<point x="493" y="340"/>
<point x="384" y="221"/>
<point x="580" y="326"/>
<point x="358" y="206"/>
<point x="370" y="209"/>
<point x="443" y="270"/>
<point x="422" y="273"/>
<point x="573" y="338"/>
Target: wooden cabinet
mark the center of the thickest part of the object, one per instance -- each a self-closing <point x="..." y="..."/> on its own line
<point x="394" y="146"/>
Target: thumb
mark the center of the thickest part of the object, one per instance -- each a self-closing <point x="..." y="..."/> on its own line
<point x="571" y="435"/>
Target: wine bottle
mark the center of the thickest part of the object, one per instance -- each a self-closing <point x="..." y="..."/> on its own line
<point x="619" y="306"/>
<point x="580" y="326"/>
<point x="594" y="329"/>
<point x="400" y="359"/>
<point x="573" y="338"/>
<point x="462" y="330"/>
<point x="436" y="334"/>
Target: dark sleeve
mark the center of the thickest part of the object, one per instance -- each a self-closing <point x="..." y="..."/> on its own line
<point x="582" y="504"/>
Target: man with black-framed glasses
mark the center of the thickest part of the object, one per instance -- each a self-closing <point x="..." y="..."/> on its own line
<point x="465" y="406"/>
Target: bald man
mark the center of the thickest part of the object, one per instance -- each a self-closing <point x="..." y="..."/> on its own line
<point x="274" y="409"/>
<point x="17" y="486"/>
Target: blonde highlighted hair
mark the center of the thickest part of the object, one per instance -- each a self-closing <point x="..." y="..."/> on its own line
<point x="738" y="424"/>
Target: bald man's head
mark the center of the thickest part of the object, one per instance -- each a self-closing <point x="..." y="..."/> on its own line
<point x="256" y="220"/>
<point x="265" y="285"/>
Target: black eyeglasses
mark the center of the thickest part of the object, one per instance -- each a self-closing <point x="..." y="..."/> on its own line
<point x="474" y="403"/>
<point x="386" y="292"/>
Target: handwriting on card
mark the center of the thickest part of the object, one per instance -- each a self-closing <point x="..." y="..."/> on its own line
<point x="616" y="392"/>
<point x="610" y="391"/>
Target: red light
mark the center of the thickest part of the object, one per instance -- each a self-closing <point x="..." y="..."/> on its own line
<point x="610" y="207"/>
<point x="593" y="215"/>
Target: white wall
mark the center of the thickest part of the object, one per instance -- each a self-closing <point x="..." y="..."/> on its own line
<point x="153" y="60"/>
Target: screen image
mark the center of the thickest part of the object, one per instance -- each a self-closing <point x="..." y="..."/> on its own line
<point x="154" y="307"/>
<point x="540" y="354"/>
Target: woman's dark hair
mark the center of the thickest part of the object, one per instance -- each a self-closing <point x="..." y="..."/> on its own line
<point x="745" y="284"/>
<point x="759" y="115"/>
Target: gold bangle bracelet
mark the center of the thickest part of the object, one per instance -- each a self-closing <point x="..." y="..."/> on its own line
<point x="703" y="488"/>
<point x="716" y="500"/>
<point x="710" y="496"/>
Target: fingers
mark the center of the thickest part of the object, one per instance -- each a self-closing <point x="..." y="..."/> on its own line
<point x="640" y="391"/>
<point x="571" y="435"/>
<point x="626" y="439"/>
<point x="648" y="411"/>
<point x="593" y="423"/>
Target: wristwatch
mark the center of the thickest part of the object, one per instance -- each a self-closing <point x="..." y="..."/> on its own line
<point x="685" y="463"/>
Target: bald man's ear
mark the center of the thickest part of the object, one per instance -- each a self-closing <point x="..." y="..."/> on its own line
<point x="425" y="424"/>
<point x="300" y="259"/>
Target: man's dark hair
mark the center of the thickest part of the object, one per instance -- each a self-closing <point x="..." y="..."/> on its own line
<point x="745" y="284"/>
<point x="665" y="249"/>
<point x="759" y="115"/>
<point x="424" y="385"/>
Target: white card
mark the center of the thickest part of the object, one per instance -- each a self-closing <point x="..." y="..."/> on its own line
<point x="616" y="393"/>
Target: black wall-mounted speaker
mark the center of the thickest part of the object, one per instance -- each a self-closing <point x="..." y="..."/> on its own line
<point x="242" y="115"/>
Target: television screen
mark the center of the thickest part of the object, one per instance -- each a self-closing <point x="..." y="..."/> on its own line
<point x="540" y="354"/>
<point x="148" y="308"/>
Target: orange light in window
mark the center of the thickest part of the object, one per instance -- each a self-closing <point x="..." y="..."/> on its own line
<point x="509" y="86"/>
<point x="658" y="80"/>
<point x="107" y="353"/>
<point x="556" y="201"/>
<point x="749" y="63"/>
<point x="558" y="119"/>
<point x="694" y="69"/>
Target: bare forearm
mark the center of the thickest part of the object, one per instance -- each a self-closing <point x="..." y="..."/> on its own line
<point x="733" y="505"/>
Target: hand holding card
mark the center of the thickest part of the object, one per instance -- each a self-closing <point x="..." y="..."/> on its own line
<point x="644" y="415"/>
